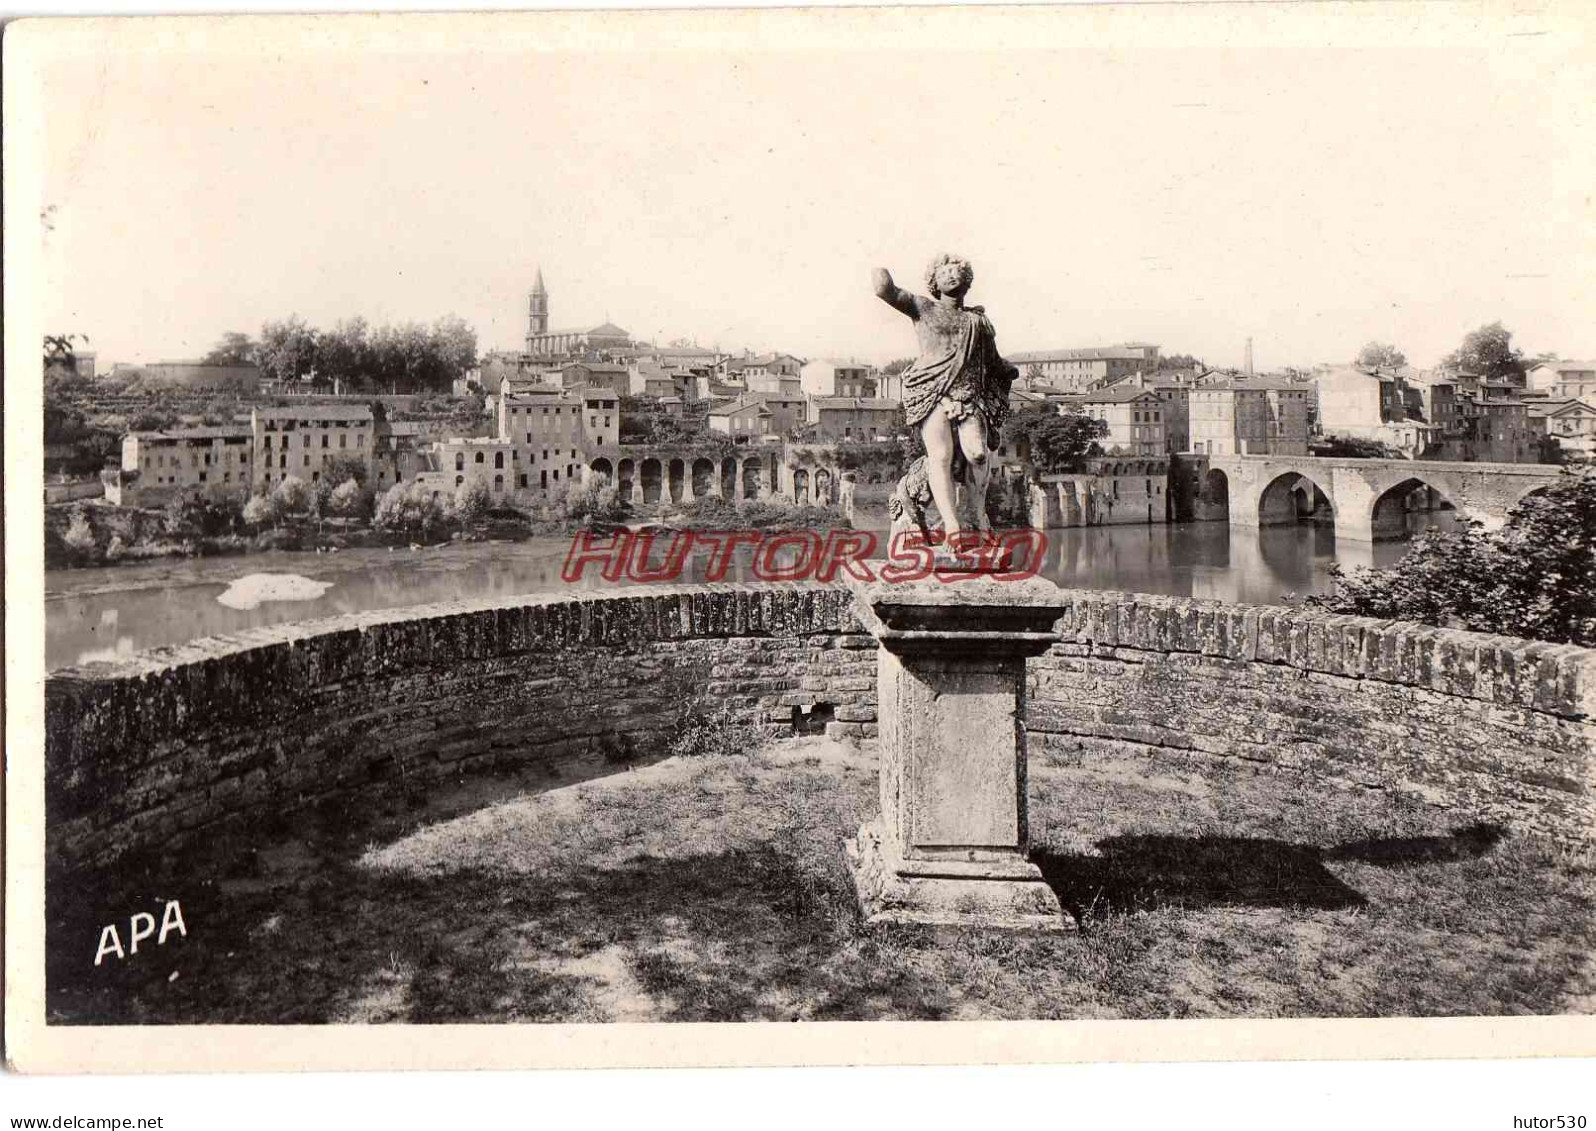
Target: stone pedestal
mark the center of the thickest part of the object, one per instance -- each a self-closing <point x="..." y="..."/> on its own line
<point x="951" y="843"/>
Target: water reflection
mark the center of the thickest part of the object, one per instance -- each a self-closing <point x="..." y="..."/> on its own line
<point x="109" y="613"/>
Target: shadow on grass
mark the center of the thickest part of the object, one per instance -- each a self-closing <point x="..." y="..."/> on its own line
<point x="741" y="934"/>
<point x="1408" y="852"/>
<point x="1142" y="873"/>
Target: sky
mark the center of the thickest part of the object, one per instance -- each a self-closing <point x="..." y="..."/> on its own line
<point x="1190" y="189"/>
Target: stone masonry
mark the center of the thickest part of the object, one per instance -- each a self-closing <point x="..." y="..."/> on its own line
<point x="174" y="742"/>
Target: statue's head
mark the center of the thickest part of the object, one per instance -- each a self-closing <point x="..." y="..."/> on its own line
<point x="949" y="275"/>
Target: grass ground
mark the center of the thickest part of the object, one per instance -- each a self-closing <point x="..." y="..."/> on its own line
<point x="715" y="888"/>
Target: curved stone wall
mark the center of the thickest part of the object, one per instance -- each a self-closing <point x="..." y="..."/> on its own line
<point x="173" y="742"/>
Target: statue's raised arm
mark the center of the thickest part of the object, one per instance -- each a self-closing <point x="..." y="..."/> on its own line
<point x="894" y="296"/>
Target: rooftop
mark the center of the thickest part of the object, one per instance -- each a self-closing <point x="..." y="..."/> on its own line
<point x="855" y="402"/>
<point x="206" y="432"/>
<point x="315" y="412"/>
<point x="1102" y="353"/>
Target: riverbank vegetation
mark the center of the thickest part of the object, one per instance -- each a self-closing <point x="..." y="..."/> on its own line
<point x="714" y="888"/>
<point x="1534" y="578"/>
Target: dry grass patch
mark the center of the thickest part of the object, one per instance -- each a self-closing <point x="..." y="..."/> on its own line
<point x="715" y="888"/>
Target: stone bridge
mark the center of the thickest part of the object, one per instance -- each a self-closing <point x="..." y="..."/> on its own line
<point x="1368" y="498"/>
<point x="683" y="473"/>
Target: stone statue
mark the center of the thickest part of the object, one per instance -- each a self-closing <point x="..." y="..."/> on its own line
<point x="956" y="393"/>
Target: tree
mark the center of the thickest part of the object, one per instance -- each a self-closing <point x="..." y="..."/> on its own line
<point x="1380" y="354"/>
<point x="234" y="348"/>
<point x="349" y="500"/>
<point x="1488" y="352"/>
<point x="288" y="349"/>
<point x="346" y="354"/>
<point x="1534" y="578"/>
<point x="1177" y="361"/>
<point x="1057" y="443"/>
<point x="471" y="501"/>
<point x="408" y="507"/>
<point x="896" y="366"/>
<point x="292" y="495"/>
<point x="260" y="510"/>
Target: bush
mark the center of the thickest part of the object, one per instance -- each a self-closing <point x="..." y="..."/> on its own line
<point x="409" y="508"/>
<point x="79" y="537"/>
<point x="1535" y="578"/>
<point x="716" y="732"/>
<point x="260" y="510"/>
<point x="349" y="500"/>
<point x="592" y="502"/>
<point x="472" y="500"/>
<point x="196" y="514"/>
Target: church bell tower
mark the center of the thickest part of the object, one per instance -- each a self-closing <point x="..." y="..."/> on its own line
<point x="538" y="308"/>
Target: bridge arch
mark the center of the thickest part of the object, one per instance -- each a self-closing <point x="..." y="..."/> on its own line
<point x="676" y="475"/>
<point x="753" y="478"/>
<point x="651" y="476"/>
<point x="703" y="477"/>
<point x="1389" y="515"/>
<point x="1290" y="496"/>
<point x="728" y="479"/>
<point x="602" y="471"/>
<point x="1213" y="495"/>
<point x="626" y="477"/>
<point x="800" y="485"/>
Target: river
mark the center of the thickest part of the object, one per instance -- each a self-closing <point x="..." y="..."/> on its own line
<point x="99" y="614"/>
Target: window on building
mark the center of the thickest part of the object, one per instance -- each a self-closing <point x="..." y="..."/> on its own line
<point x="202" y="476"/>
<point x="459" y="461"/>
<point x="543" y="479"/>
<point x="282" y="460"/>
<point x="459" y="479"/>
<point x="556" y="476"/>
<point x="498" y="459"/>
<point x="480" y="458"/>
<point x="307" y="459"/>
<point x="523" y="479"/>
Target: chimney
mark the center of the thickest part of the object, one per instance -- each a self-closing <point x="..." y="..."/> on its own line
<point x="1247" y="367"/>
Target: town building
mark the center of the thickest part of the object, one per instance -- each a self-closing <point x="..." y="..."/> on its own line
<point x="739" y="369"/>
<point x="601" y="415"/>
<point x="1505" y="432"/>
<point x="305" y="440"/>
<point x="855" y="418"/>
<point x="175" y="461"/>
<point x="1249" y="416"/>
<point x="595" y="375"/>
<point x="399" y="453"/>
<point x="1565" y="380"/>
<point x="828" y="377"/>
<point x="1174" y="394"/>
<point x="779" y="384"/>
<point x="1571" y="423"/>
<point x="1134" y="417"/>
<point x="743" y="418"/>
<point x="543" y="342"/>
<point x="1073" y="370"/>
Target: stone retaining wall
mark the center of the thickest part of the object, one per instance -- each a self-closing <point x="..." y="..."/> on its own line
<point x="176" y="741"/>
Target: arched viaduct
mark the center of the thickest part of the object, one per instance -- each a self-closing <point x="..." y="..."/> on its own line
<point x="682" y="473"/>
<point x="1367" y="497"/>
